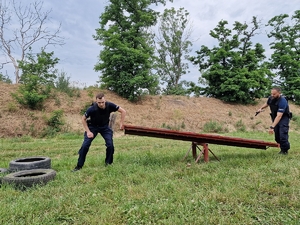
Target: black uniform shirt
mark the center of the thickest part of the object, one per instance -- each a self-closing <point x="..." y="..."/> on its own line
<point x="98" y="116"/>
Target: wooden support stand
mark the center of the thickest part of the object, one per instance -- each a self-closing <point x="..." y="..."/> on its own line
<point x="204" y="151"/>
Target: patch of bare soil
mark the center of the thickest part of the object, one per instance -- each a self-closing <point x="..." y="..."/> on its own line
<point x="173" y="112"/>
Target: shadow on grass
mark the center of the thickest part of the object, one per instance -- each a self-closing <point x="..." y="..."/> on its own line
<point x="156" y="159"/>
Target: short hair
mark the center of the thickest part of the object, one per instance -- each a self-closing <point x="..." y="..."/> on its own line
<point x="99" y="95"/>
<point x="278" y="89"/>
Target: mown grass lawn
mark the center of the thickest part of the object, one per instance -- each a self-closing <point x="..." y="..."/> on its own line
<point x="150" y="183"/>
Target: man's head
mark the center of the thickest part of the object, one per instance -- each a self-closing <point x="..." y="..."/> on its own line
<point x="275" y="92"/>
<point x="100" y="100"/>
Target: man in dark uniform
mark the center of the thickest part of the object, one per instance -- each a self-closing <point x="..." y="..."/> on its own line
<point x="280" y="114"/>
<point x="96" y="120"/>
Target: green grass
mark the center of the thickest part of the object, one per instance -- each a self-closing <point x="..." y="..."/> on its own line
<point x="150" y="183"/>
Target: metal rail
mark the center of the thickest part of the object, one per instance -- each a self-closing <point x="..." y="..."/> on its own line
<point x="201" y="139"/>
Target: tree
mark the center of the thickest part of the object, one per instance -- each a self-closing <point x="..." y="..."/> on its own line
<point x="5" y="78"/>
<point x="38" y="76"/>
<point x="128" y="52"/>
<point x="173" y="49"/>
<point x="234" y="71"/>
<point x="285" y="60"/>
<point x="21" y="27"/>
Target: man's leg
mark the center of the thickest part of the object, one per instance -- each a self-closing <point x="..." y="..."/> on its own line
<point x="85" y="148"/>
<point x="284" y="134"/>
<point x="277" y="134"/>
<point x="107" y="135"/>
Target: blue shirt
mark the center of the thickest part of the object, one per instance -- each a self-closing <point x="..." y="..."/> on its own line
<point x="282" y="105"/>
<point x="278" y="105"/>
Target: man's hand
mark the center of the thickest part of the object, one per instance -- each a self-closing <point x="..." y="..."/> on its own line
<point x="89" y="134"/>
<point x="271" y="131"/>
<point x="258" y="111"/>
<point x="121" y="127"/>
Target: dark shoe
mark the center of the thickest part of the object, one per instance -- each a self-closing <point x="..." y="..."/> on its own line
<point x="283" y="153"/>
<point x="76" y="168"/>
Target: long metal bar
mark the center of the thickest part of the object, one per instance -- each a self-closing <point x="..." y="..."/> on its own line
<point x="199" y="138"/>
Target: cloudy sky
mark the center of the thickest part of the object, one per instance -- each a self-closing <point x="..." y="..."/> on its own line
<point x="80" y="18"/>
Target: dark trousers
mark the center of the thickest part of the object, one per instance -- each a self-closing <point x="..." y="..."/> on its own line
<point x="107" y="135"/>
<point x="282" y="133"/>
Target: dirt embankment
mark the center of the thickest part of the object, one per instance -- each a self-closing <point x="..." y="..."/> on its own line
<point x="173" y="112"/>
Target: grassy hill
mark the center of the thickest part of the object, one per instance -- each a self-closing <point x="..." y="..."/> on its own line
<point x="195" y="114"/>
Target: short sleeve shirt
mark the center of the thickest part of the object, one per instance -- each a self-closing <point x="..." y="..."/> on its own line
<point x="282" y="103"/>
<point x="98" y="116"/>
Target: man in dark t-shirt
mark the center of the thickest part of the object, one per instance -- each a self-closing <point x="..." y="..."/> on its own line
<point x="96" y="120"/>
<point x="280" y="115"/>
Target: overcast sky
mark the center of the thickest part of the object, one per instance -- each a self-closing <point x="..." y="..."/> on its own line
<point x="80" y="18"/>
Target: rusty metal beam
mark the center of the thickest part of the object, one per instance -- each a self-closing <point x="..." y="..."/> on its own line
<point x="198" y="138"/>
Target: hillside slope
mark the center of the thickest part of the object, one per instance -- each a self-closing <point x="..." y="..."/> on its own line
<point x="173" y="112"/>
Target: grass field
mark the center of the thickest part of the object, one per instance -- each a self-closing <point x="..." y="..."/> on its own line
<point x="150" y="183"/>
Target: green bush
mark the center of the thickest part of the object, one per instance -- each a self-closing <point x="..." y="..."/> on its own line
<point x="166" y="126"/>
<point x="63" y="84"/>
<point x="31" y="99"/>
<point x="48" y="132"/>
<point x="212" y="127"/>
<point x="85" y="107"/>
<point x="254" y="125"/>
<point x="56" y="121"/>
<point x="296" y="120"/>
<point x="5" y="79"/>
<point x="240" y="126"/>
<point x="11" y="107"/>
<point x="38" y="75"/>
<point x="90" y="92"/>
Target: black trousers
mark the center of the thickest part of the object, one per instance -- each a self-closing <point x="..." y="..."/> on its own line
<point x="281" y="131"/>
<point x="107" y="135"/>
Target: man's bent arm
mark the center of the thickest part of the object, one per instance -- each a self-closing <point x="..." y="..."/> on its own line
<point x="264" y="106"/>
<point x="84" y="123"/>
<point x="123" y="114"/>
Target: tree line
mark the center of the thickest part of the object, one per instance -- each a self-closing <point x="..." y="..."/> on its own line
<point x="235" y="70"/>
<point x="134" y="57"/>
